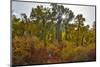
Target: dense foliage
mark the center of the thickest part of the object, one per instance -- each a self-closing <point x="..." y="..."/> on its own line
<point x="47" y="37"/>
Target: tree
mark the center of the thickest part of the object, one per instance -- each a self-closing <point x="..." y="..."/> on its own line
<point x="24" y="17"/>
<point x="58" y="11"/>
<point x="84" y="32"/>
<point x="79" y="22"/>
<point x="41" y="15"/>
<point x="69" y="17"/>
<point x="17" y="27"/>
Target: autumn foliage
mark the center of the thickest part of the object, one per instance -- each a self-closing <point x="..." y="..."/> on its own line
<point x="40" y="40"/>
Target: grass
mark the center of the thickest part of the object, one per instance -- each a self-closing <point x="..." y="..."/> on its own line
<point x="31" y="50"/>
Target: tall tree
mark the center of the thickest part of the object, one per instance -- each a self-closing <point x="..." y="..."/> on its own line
<point x="41" y="15"/>
<point x="79" y="22"/>
<point x="69" y="17"/>
<point x="58" y="11"/>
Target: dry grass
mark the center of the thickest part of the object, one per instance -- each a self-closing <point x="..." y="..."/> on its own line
<point x="31" y="50"/>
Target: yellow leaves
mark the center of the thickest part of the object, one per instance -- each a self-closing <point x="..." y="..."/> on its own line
<point x="20" y="52"/>
<point x="80" y="53"/>
<point x="65" y="51"/>
<point x="63" y="35"/>
<point x="52" y="48"/>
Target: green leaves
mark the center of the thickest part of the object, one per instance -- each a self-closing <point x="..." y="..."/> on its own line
<point x="46" y="37"/>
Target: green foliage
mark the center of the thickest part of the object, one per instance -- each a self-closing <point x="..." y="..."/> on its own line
<point x="41" y="38"/>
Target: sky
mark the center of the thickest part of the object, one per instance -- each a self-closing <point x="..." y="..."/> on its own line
<point x="25" y="7"/>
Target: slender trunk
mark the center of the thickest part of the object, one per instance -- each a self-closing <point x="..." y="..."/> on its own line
<point x="44" y="33"/>
<point x="78" y="34"/>
<point x="82" y="41"/>
<point x="58" y="31"/>
<point x="66" y="30"/>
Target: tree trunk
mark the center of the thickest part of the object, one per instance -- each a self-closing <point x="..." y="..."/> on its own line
<point x="58" y="31"/>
